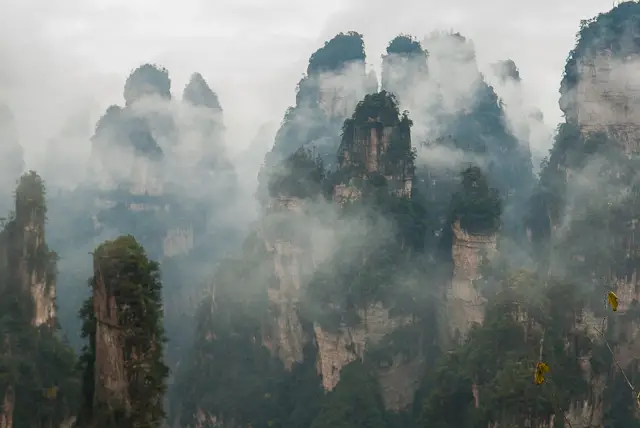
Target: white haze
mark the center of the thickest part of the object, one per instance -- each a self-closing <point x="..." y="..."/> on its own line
<point x="62" y="64"/>
<point x="64" y="60"/>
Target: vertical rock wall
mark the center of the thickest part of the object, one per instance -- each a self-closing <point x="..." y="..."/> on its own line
<point x="111" y="385"/>
<point x="606" y="95"/>
<point x="285" y="335"/>
<point x="465" y="304"/>
<point x="339" y="348"/>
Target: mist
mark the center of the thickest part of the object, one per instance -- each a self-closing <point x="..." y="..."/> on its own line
<point x="191" y="172"/>
<point x="86" y="56"/>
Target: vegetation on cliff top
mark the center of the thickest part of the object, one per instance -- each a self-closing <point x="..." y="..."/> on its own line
<point x="39" y="384"/>
<point x="125" y="276"/>
<point x="476" y="205"/>
<point x="377" y="111"/>
<point x="199" y="94"/>
<point x="337" y="52"/>
<point x="616" y="31"/>
<point x="146" y="80"/>
<point x="405" y="44"/>
<point x="306" y="124"/>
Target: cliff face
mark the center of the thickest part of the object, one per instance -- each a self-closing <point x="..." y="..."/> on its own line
<point x="603" y="102"/>
<point x="465" y="303"/>
<point x="398" y="380"/>
<point x="285" y="337"/>
<point x="377" y="145"/>
<point x="604" y="98"/>
<point x="25" y="256"/>
<point x="370" y="145"/>
<point x="28" y="295"/>
<point x="598" y="143"/>
<point x="405" y="71"/>
<point x="124" y="373"/>
<point x="337" y="95"/>
<point x="110" y="379"/>
<point x="335" y="81"/>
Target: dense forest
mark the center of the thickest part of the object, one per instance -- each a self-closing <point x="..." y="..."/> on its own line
<point x="405" y="267"/>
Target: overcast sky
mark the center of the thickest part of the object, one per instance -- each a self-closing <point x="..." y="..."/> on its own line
<point x="68" y="57"/>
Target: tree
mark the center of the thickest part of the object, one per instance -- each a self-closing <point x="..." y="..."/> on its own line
<point x="354" y="403"/>
<point x="124" y="374"/>
<point x="476" y="205"/>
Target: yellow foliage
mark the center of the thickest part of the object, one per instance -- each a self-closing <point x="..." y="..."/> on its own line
<point x="541" y="369"/>
<point x="51" y="393"/>
<point x="613" y="300"/>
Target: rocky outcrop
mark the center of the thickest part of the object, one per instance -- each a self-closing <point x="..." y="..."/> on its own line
<point x="25" y="257"/>
<point x="337" y="94"/>
<point x="339" y="348"/>
<point x="404" y="70"/>
<point x="376" y="142"/>
<point x="27" y="272"/>
<point x="336" y="80"/>
<point x="599" y="95"/>
<point x="363" y="154"/>
<point x="151" y="157"/>
<point x="285" y="337"/>
<point x="125" y="369"/>
<point x="370" y="145"/>
<point x="400" y="381"/>
<point x="604" y="98"/>
<point x="465" y="304"/>
<point x="110" y="378"/>
<point x="343" y="193"/>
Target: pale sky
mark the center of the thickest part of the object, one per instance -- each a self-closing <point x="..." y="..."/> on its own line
<point x="66" y="57"/>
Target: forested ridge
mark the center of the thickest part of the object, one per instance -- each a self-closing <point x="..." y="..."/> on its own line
<point x="397" y="274"/>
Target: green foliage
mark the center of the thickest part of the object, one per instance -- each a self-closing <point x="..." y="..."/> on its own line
<point x="336" y="53"/>
<point x="405" y="44"/>
<point x="361" y="273"/>
<point x="36" y="367"/>
<point x="306" y="124"/>
<point x="529" y="317"/>
<point x="388" y="256"/>
<point x="377" y="111"/>
<point x="40" y="370"/>
<point x="147" y="80"/>
<point x="617" y="30"/>
<point x="449" y="404"/>
<point x="230" y="374"/>
<point x="30" y="198"/>
<point x="382" y="106"/>
<point x="199" y="94"/>
<point x="354" y="403"/>
<point x="124" y="272"/>
<point x="476" y="205"/>
<point x="299" y="176"/>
